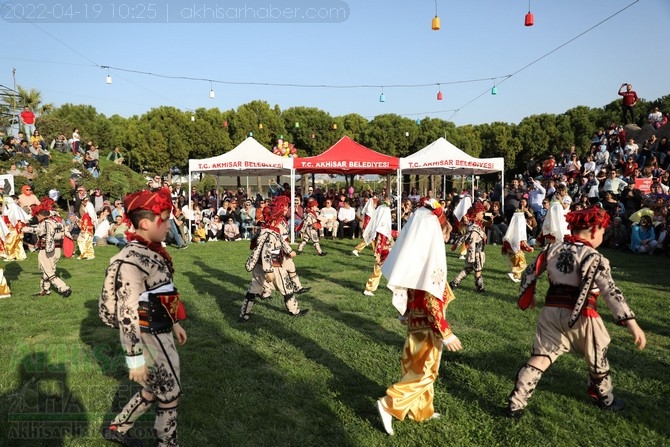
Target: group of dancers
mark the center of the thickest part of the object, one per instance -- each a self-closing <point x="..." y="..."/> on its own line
<point x="140" y="300"/>
<point x="415" y="267"/>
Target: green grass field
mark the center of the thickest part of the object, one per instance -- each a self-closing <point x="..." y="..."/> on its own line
<point x="313" y="381"/>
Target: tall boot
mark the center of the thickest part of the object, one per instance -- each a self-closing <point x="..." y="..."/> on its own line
<point x="479" y="283"/>
<point x="296" y="280"/>
<point x="600" y="389"/>
<point x="457" y="280"/>
<point x="317" y="246"/>
<point x="136" y="407"/>
<point x="526" y="381"/>
<point x="301" y="246"/>
<point x="165" y="427"/>
<point x="292" y="306"/>
<point x="247" y="305"/>
<point x="117" y="431"/>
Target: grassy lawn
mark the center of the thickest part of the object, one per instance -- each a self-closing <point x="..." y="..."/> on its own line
<point x="313" y="381"/>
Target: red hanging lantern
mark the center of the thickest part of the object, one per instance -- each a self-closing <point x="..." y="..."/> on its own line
<point x="530" y="19"/>
<point x="439" y="95"/>
<point x="225" y="124"/>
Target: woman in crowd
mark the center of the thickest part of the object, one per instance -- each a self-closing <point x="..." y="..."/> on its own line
<point x="643" y="237"/>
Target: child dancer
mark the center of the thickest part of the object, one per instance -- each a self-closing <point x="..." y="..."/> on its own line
<point x="266" y="265"/>
<point x="140" y="300"/>
<point x="514" y="245"/>
<point x="416" y="270"/>
<point x="569" y="320"/>
<point x="380" y="235"/>
<point x="311" y="227"/>
<point x="49" y="243"/>
<point x="475" y="239"/>
<point x="368" y="211"/>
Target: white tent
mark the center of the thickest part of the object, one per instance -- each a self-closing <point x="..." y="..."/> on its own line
<point x="443" y="158"/>
<point x="247" y="158"/>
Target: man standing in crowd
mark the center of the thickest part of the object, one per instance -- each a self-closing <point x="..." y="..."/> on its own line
<point x="28" y="121"/>
<point x="628" y="103"/>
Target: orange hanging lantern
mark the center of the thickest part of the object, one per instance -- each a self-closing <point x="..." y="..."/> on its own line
<point x="435" y="25"/>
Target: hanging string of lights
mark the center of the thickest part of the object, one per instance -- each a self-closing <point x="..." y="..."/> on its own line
<point x="497" y="80"/>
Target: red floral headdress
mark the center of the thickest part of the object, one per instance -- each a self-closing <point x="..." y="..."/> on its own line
<point x="474" y="209"/>
<point x="154" y="201"/>
<point x="593" y="218"/>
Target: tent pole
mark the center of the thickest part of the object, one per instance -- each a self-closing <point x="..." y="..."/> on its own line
<point x="472" y="185"/>
<point x="190" y="212"/>
<point x="292" y="220"/>
<point x="398" y="200"/>
<point x="502" y="185"/>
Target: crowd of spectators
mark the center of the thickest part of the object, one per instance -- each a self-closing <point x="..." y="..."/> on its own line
<point x="629" y="179"/>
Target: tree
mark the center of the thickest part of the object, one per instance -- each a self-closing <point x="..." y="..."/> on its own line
<point x="314" y="133"/>
<point x="392" y="135"/>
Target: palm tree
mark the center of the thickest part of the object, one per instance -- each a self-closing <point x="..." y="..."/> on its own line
<point x="31" y="98"/>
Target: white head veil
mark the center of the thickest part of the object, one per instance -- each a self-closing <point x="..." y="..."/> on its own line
<point x="380" y="223"/>
<point x="418" y="259"/>
<point x="516" y="231"/>
<point x="462" y="208"/>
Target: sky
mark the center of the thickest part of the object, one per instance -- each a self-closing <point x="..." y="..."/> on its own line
<point x="59" y="48"/>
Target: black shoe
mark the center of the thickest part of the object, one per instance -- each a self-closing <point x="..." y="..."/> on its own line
<point x="302" y="313"/>
<point x="616" y="405"/>
<point x="303" y="290"/>
<point x="482" y="290"/>
<point x="514" y="414"/>
<point x="42" y="293"/>
<point x="453" y="285"/>
<point x="323" y="253"/>
<point x="117" y="437"/>
<point x="243" y="319"/>
<point x="66" y="293"/>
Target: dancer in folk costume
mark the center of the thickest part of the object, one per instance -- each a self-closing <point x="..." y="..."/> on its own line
<point x="140" y="299"/>
<point x="475" y="240"/>
<point x="50" y="234"/>
<point x="379" y="234"/>
<point x="4" y="287"/>
<point x="555" y="225"/>
<point x="416" y="270"/>
<point x="266" y="265"/>
<point x="87" y="227"/>
<point x="368" y="211"/>
<point x="16" y="218"/>
<point x="515" y="244"/>
<point x="287" y="262"/>
<point x="461" y="225"/>
<point x="310" y="227"/>
<point x="569" y="320"/>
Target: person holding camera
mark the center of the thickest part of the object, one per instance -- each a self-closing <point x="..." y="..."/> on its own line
<point x="628" y="102"/>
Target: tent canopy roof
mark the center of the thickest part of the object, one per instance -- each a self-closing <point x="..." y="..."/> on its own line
<point x="347" y="157"/>
<point x="249" y="157"/>
<point x="443" y="158"/>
